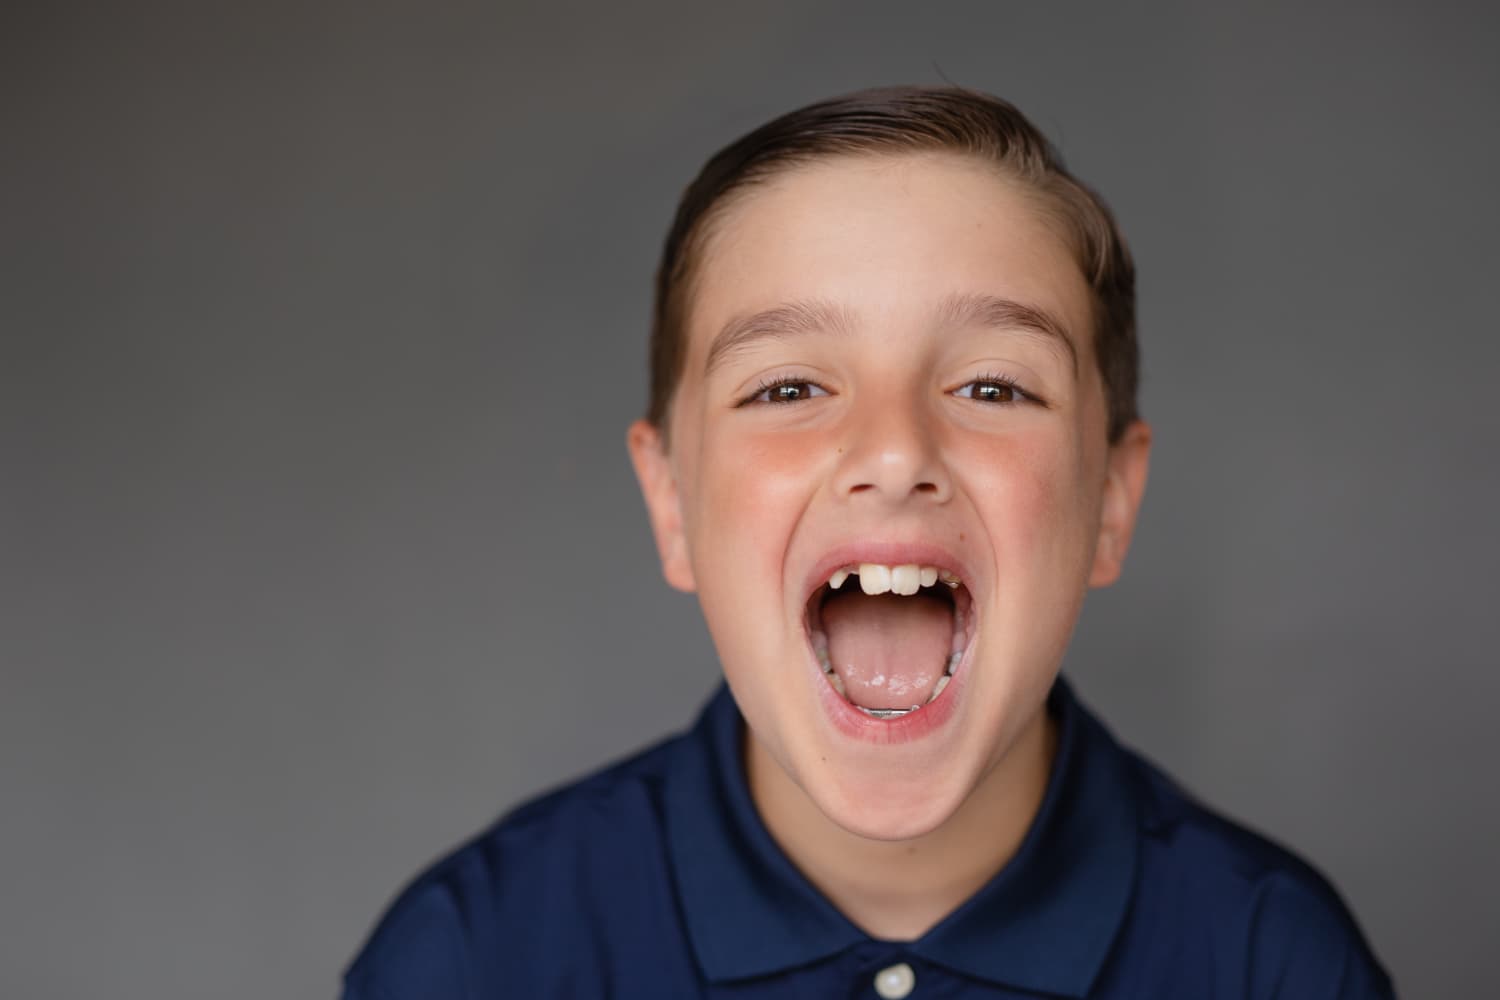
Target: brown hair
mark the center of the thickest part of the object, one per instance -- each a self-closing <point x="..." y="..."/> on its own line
<point x="905" y="120"/>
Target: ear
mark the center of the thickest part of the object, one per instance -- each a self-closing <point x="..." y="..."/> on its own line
<point x="653" y="469"/>
<point x="1124" y="484"/>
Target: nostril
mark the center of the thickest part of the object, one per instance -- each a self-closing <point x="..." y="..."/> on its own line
<point x="894" y="473"/>
<point x="925" y="488"/>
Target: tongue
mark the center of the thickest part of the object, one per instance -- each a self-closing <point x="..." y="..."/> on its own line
<point x="888" y="650"/>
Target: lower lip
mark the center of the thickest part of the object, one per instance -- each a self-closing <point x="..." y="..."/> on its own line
<point x="853" y="723"/>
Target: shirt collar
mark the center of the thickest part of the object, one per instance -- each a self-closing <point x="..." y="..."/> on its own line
<point x="1044" y="923"/>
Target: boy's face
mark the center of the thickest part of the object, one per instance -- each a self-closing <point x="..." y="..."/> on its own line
<point x="925" y="416"/>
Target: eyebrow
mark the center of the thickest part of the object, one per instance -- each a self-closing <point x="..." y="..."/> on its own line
<point x="805" y="316"/>
<point x="778" y="323"/>
<point x="994" y="311"/>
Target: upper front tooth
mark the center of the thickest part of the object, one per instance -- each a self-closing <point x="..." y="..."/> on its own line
<point x="837" y="579"/>
<point x="906" y="580"/>
<point x="929" y="575"/>
<point x="874" y="578"/>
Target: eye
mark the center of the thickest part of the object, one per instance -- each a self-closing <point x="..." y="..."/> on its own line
<point x="785" y="390"/>
<point x="999" y="389"/>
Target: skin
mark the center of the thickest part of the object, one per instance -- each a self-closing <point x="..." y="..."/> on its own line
<point x="890" y="437"/>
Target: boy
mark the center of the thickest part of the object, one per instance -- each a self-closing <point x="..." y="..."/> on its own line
<point x="892" y="440"/>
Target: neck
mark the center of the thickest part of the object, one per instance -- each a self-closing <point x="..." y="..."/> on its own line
<point x="897" y="890"/>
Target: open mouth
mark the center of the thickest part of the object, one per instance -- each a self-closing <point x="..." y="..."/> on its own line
<point x="889" y="638"/>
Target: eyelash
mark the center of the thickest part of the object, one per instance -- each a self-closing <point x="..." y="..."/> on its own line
<point x="988" y="378"/>
<point x="1007" y="382"/>
<point x="770" y="385"/>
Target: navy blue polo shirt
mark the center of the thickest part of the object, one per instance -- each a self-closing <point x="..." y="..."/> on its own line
<point x="656" y="878"/>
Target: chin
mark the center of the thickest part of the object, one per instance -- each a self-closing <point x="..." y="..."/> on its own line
<point x="886" y="810"/>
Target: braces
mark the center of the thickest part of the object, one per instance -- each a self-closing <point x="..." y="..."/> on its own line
<point x="887" y="713"/>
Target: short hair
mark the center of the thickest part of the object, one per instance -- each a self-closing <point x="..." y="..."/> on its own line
<point x="905" y="120"/>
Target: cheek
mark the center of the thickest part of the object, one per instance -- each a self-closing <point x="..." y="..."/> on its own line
<point x="752" y="491"/>
<point x="754" y="488"/>
<point x="1033" y="500"/>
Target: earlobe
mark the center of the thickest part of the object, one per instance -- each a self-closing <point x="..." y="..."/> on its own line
<point x="658" y="481"/>
<point x="1124" y="485"/>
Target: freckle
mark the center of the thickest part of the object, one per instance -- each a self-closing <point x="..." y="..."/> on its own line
<point x="960" y="536"/>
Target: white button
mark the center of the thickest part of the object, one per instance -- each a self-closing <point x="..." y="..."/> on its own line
<point x="895" y="982"/>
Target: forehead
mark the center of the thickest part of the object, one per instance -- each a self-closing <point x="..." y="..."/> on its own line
<point x="886" y="238"/>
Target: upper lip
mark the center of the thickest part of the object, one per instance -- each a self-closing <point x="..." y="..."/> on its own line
<point x="886" y="553"/>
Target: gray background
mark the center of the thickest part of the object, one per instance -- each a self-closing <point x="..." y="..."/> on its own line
<point x="322" y="326"/>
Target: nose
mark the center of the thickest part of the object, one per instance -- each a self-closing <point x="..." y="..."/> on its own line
<point x="891" y="452"/>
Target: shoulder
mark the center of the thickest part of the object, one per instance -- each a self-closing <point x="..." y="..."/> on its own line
<point x="505" y="891"/>
<point x="1269" y="921"/>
